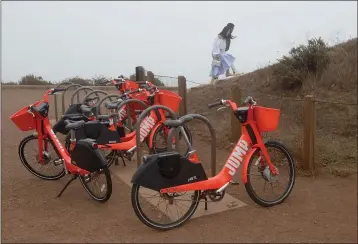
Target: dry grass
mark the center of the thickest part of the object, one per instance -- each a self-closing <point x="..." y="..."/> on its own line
<point x="336" y="135"/>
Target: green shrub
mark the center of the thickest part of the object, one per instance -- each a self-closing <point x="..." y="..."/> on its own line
<point x="304" y="60"/>
<point x="9" y="83"/>
<point x="32" y="80"/>
<point x="99" y="80"/>
<point x="80" y="81"/>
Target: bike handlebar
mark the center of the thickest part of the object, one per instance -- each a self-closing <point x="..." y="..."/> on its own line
<point x="248" y="100"/>
<point x="217" y="103"/>
<point x="60" y="89"/>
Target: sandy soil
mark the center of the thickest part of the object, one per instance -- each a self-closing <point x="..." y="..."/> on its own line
<point x="319" y="209"/>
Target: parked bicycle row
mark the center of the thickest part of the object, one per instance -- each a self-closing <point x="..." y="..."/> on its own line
<point x="102" y="131"/>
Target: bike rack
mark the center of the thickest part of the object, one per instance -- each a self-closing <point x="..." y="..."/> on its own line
<point x="190" y="117"/>
<point x="101" y="101"/>
<point x="94" y="92"/>
<point x="132" y="100"/>
<point x="76" y="92"/>
<point x="55" y="97"/>
<point x="142" y="116"/>
<point x="63" y="95"/>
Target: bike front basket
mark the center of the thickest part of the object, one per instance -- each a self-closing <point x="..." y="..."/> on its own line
<point x="24" y="120"/>
<point x="169" y="99"/>
<point x="266" y="118"/>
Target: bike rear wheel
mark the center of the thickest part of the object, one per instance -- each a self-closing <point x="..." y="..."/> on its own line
<point x="105" y="189"/>
<point x="258" y="169"/>
<point x="160" y="139"/>
<point x="193" y="203"/>
<point x="57" y="171"/>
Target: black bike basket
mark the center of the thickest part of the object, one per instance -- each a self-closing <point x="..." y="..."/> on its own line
<point x="86" y="157"/>
<point x="167" y="169"/>
<point x="98" y="131"/>
<point x="73" y="109"/>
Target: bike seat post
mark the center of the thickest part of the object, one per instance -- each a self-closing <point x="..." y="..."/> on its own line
<point x="73" y="136"/>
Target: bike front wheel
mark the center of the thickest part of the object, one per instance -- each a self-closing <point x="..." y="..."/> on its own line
<point x="278" y="187"/>
<point x="160" y="216"/>
<point x="47" y="169"/>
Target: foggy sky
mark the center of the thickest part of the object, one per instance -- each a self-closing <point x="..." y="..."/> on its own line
<point x="58" y="40"/>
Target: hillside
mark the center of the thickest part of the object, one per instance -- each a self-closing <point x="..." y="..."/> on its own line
<point x="336" y="135"/>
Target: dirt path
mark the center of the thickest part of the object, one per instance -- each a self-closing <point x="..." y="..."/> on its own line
<point x="318" y="210"/>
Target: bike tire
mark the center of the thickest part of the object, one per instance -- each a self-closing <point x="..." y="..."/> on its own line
<point x="162" y="227"/>
<point x="21" y="148"/>
<point x="283" y="197"/>
<point x="109" y="187"/>
<point x="155" y="150"/>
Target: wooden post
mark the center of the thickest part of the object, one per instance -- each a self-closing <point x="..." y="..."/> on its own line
<point x="235" y="123"/>
<point x="139" y="73"/>
<point x="183" y="93"/>
<point x="309" y="130"/>
<point x="55" y="102"/>
<point x="150" y="77"/>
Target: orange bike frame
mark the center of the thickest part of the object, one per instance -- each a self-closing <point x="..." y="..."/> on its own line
<point x="44" y="130"/>
<point x="249" y="142"/>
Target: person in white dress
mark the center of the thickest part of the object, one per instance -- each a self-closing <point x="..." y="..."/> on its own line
<point x="222" y="61"/>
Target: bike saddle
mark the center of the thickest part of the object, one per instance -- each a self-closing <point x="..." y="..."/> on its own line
<point x="76" y="116"/>
<point x="74" y="125"/>
<point x="86" y="109"/>
<point x="111" y="105"/>
<point x="178" y="122"/>
<point x="90" y="99"/>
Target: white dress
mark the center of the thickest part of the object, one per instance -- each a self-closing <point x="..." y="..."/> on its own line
<point x="226" y="60"/>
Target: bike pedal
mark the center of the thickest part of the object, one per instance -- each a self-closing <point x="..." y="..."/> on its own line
<point x="235" y="183"/>
<point x="58" y="162"/>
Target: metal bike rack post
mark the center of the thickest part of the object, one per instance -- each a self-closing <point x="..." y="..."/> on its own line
<point x="55" y="97"/>
<point x="94" y="92"/>
<point x="188" y="118"/>
<point x="101" y="101"/>
<point x="142" y="116"/>
<point x="85" y="88"/>
<point x="131" y="101"/>
<point x="63" y="95"/>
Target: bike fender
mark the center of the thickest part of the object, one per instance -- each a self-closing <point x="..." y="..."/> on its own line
<point x="151" y="135"/>
<point x="246" y="163"/>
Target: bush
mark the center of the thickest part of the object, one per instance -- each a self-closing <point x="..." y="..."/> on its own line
<point x="32" y="80"/>
<point x="9" y="83"/>
<point x="80" y="81"/>
<point x="99" y="80"/>
<point x="304" y="60"/>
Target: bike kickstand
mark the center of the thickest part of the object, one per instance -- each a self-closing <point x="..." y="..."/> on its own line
<point x="68" y="183"/>
<point x="116" y="162"/>
<point x="206" y="203"/>
<point x="124" y="163"/>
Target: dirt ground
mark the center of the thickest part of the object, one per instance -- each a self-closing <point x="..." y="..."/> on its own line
<point x="321" y="209"/>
